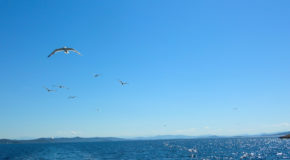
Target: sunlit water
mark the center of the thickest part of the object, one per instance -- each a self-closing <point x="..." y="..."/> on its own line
<point x="215" y="148"/>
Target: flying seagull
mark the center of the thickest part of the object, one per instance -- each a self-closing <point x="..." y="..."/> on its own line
<point x="235" y="108"/>
<point x="97" y="75"/>
<point x="71" y="97"/>
<point x="65" y="50"/>
<point x="60" y="86"/>
<point x="123" y="83"/>
<point x="49" y="90"/>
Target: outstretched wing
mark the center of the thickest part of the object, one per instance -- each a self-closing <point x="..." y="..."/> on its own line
<point x="48" y="90"/>
<point x="122" y="83"/>
<point x="56" y="50"/>
<point x="71" y="49"/>
<point x="71" y="97"/>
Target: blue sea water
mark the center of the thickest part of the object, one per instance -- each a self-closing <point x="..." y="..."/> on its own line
<point x="211" y="148"/>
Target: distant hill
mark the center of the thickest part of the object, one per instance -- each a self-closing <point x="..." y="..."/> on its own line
<point x="279" y="134"/>
<point x="60" y="140"/>
<point x="168" y="137"/>
<point x="285" y="137"/>
<point x="161" y="137"/>
<point x="106" y="139"/>
<point x="7" y="141"/>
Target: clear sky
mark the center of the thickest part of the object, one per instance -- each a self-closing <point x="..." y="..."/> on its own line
<point x="193" y="67"/>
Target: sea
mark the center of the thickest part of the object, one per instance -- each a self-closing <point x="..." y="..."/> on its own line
<point x="188" y="149"/>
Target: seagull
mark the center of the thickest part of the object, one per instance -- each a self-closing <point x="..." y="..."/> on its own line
<point x="235" y="108"/>
<point x="65" y="50"/>
<point x="49" y="90"/>
<point x="60" y="86"/>
<point x="123" y="83"/>
<point x="71" y="97"/>
<point x="97" y="75"/>
<point x="191" y="150"/>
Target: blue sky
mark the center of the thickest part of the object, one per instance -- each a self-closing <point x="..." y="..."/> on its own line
<point x="193" y="67"/>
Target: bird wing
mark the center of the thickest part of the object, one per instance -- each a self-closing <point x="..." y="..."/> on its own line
<point x="56" y="50"/>
<point x="49" y="90"/>
<point x="71" y="49"/>
<point x="123" y="83"/>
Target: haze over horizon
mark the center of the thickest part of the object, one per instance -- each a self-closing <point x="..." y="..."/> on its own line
<point x="192" y="67"/>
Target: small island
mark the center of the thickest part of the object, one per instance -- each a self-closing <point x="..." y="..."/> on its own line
<point x="285" y="137"/>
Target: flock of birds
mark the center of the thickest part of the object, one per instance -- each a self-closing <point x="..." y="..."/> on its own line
<point x="67" y="50"/>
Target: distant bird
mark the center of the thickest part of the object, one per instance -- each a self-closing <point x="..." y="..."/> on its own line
<point x="97" y="75"/>
<point x="49" y="90"/>
<point x="235" y="108"/>
<point x="65" y="50"/>
<point x="123" y="83"/>
<point x="71" y="97"/>
<point x="60" y="86"/>
<point x="191" y="150"/>
<point x="98" y="109"/>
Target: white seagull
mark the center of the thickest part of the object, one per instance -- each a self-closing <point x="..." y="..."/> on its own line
<point x="49" y="90"/>
<point x="60" y="86"/>
<point x="71" y="97"/>
<point x="65" y="50"/>
<point x="123" y="83"/>
<point x="97" y="75"/>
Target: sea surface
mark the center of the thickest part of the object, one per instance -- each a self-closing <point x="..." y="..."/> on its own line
<point x="211" y="148"/>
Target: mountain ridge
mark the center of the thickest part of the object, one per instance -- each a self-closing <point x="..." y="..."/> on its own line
<point x="107" y="139"/>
